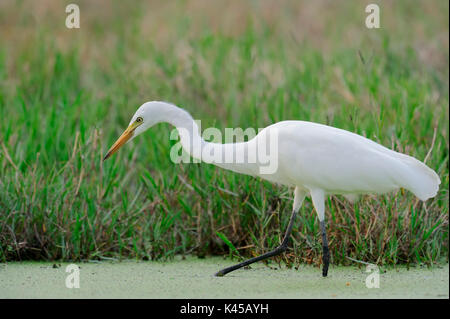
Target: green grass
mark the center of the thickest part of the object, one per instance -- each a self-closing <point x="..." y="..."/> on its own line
<point x="66" y="95"/>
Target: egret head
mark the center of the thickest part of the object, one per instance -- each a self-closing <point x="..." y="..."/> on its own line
<point x="147" y="115"/>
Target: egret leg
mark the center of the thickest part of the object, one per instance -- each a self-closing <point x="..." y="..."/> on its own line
<point x="326" y="251"/>
<point x="280" y="249"/>
<point x="318" y="198"/>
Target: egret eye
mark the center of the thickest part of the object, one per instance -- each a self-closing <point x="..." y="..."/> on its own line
<point x="139" y="120"/>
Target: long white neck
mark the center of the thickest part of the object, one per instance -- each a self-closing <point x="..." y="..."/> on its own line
<point x="188" y="130"/>
<point x="197" y="147"/>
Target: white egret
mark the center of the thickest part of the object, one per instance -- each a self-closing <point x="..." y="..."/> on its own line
<point x="315" y="159"/>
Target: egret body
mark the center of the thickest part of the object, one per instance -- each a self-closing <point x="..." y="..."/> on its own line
<point x="314" y="159"/>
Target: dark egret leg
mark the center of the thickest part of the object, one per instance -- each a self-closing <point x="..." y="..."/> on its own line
<point x="280" y="249"/>
<point x="318" y="199"/>
<point x="326" y="251"/>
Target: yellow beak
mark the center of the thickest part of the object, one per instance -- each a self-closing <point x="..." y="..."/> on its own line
<point x="122" y="139"/>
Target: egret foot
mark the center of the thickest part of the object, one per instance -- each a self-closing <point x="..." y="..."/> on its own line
<point x="276" y="251"/>
<point x="280" y="249"/>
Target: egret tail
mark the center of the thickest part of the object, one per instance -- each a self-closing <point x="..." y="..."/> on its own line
<point x="419" y="178"/>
